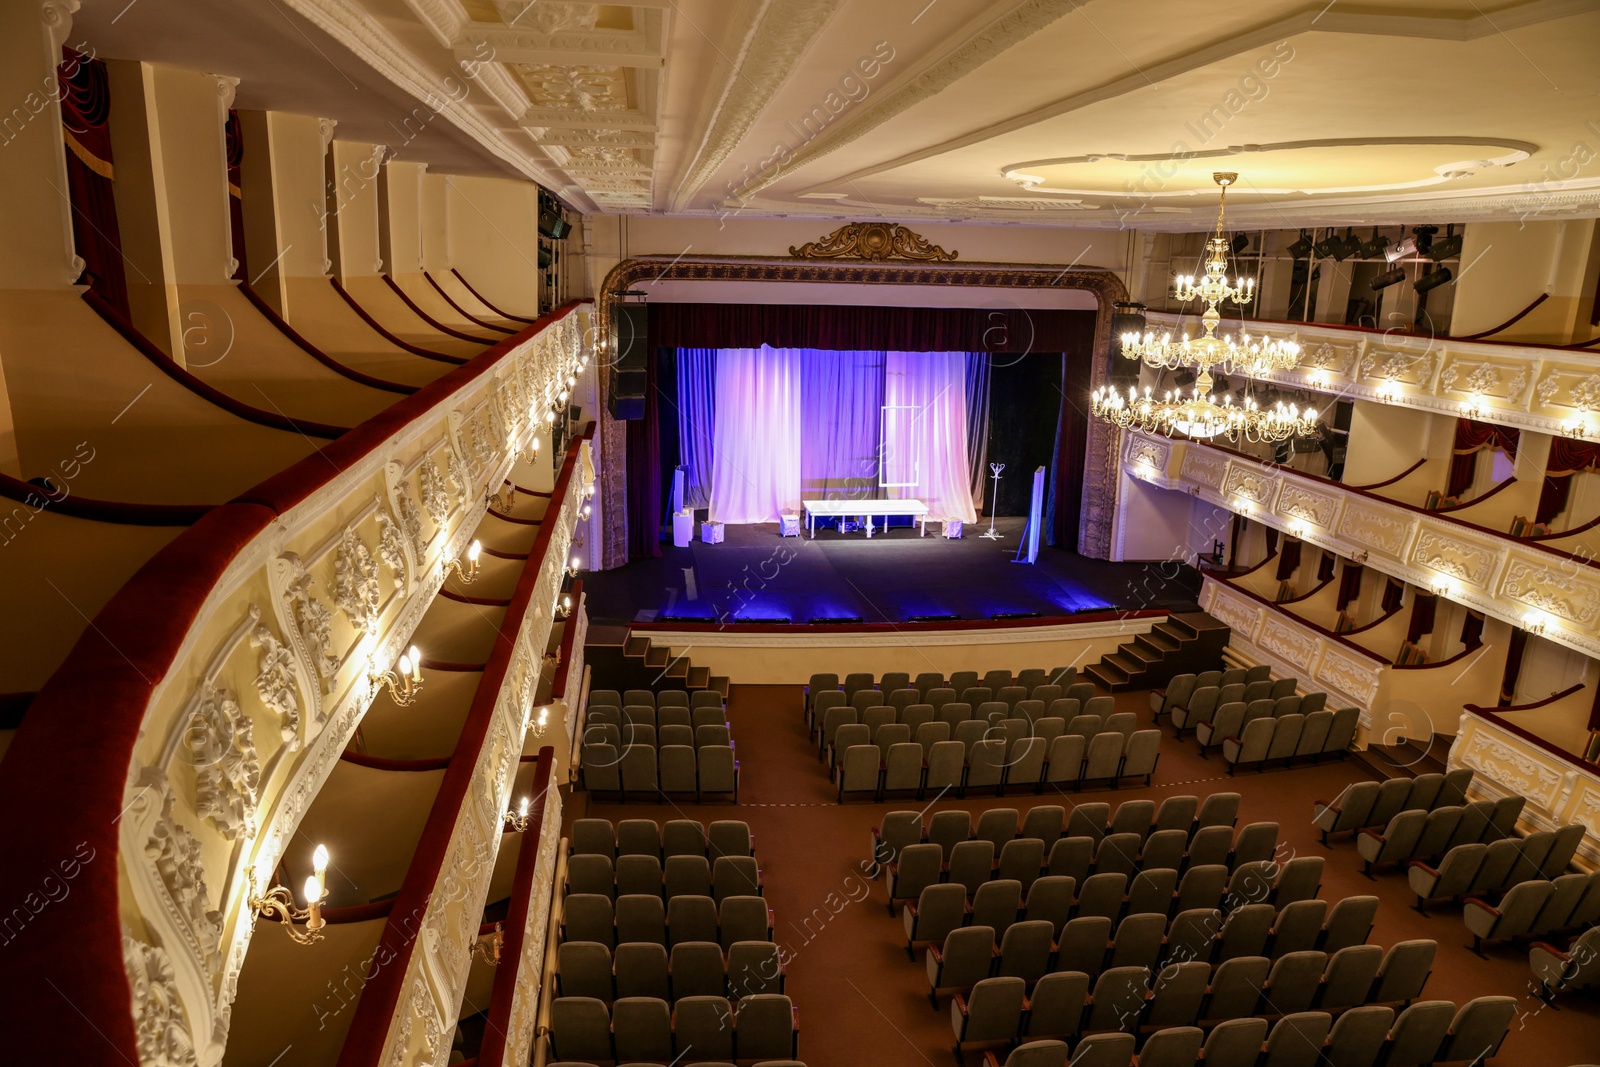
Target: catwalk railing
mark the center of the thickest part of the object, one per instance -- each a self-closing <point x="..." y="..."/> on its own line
<point x="1534" y="387"/>
<point x="1500" y="575"/>
<point x="173" y="755"/>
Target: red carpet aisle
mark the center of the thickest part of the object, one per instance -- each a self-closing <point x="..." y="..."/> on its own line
<point x="864" y="1004"/>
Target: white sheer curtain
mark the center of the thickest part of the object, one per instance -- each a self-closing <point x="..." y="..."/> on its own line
<point x="755" y="459"/>
<point x="925" y="431"/>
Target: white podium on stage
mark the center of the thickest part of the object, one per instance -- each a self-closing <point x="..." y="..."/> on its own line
<point x="683" y="528"/>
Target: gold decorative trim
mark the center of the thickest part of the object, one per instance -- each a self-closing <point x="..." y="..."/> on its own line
<point x="873" y="241"/>
<point x="88" y="158"/>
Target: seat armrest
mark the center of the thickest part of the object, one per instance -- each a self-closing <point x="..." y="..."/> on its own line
<point x="1484" y="904"/>
<point x="960" y="1003"/>
<point x="1556" y="952"/>
<point x="989" y="1060"/>
<point x="937" y="956"/>
<point x="1423" y="866"/>
<point x="1235" y="740"/>
<point x="1374" y="833"/>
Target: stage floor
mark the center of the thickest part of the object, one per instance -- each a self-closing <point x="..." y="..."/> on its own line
<point x="755" y="575"/>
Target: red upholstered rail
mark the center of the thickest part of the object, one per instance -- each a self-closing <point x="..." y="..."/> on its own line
<point x="469" y="316"/>
<point x="558" y="684"/>
<point x="415" y="350"/>
<point x="480" y="296"/>
<point x="117" y="511"/>
<point x="429" y="319"/>
<point x="492" y="1051"/>
<point x="76" y="743"/>
<point x="316" y="353"/>
<point x="369" y="1028"/>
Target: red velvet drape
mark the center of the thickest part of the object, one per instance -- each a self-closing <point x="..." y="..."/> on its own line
<point x="1472" y="630"/>
<point x="1424" y="607"/>
<point x="1514" y="650"/>
<point x="1472" y="438"/>
<point x="1288" y="559"/>
<point x="85" y="113"/>
<point x="1349" y="585"/>
<point x="644" y="472"/>
<point x="1393" y="595"/>
<point x="1567" y="457"/>
<point x="851" y="328"/>
<point x="1325" y="567"/>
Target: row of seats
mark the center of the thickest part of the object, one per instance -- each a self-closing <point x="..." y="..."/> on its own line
<point x="975" y="861"/>
<point x="1535" y="908"/>
<point x="1081" y="694"/>
<point x="1291" y="737"/>
<point x="1177" y="691"/>
<point x="667" y="698"/>
<point x="643" y="733"/>
<point x="1231" y="719"/>
<point x="958" y="722"/>
<point x="970" y="732"/>
<point x="1426" y="1032"/>
<point x="645" y="969"/>
<point x="1202" y="936"/>
<point x="648" y="1029"/>
<point x="991" y="763"/>
<point x="645" y="837"/>
<point x="1364" y="804"/>
<point x="1559" y="970"/>
<point x="926" y="682"/>
<point x="691" y="876"/>
<point x="1426" y="835"/>
<point x="638" y="715"/>
<point x="1202" y="705"/>
<point x="1494" y="867"/>
<point x="1049" y="822"/>
<point x="647" y="917"/>
<point x="997" y="1009"/>
<point x="647" y="772"/>
<point x="832" y="713"/>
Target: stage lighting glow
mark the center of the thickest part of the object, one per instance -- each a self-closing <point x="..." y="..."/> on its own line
<point x="831" y="620"/>
<point x="934" y="618"/>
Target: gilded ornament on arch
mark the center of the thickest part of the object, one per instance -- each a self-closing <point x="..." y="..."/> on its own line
<point x="873" y="241"/>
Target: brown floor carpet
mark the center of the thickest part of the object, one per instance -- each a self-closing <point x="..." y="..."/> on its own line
<point x="864" y="1004"/>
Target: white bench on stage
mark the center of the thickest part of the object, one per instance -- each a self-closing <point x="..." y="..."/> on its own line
<point x="865" y="510"/>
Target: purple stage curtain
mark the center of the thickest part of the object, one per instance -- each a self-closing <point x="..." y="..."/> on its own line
<point x="644" y="472"/>
<point x="85" y="112"/>
<point x="925" y="441"/>
<point x="1472" y="438"/>
<point x="871" y="329"/>
<point x="755" y="461"/>
<point x="697" y="414"/>
<point x="841" y="407"/>
<point x="978" y="425"/>
<point x="1567" y="457"/>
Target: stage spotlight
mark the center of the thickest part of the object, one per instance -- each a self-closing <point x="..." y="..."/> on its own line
<point x="934" y="618"/>
<point x="1433" y="279"/>
<point x="1183" y="377"/>
<point x="1301" y="248"/>
<point x="1392" y="276"/>
<point x="1239" y="243"/>
<point x="1407" y="247"/>
<point x="1374" y="248"/>
<point x="1095" y="610"/>
<point x="1424" y="236"/>
<point x="999" y="616"/>
<point x="1448" y="248"/>
<point x="825" y="620"/>
<point x="744" y="620"/>
<point x="684" y="618"/>
<point x="1327" y="246"/>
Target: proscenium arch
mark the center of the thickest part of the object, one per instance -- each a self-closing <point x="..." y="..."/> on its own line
<point x="1099" y="473"/>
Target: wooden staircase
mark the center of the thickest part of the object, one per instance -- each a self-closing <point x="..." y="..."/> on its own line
<point x="1189" y="641"/>
<point x="622" y="659"/>
<point x="1408" y="757"/>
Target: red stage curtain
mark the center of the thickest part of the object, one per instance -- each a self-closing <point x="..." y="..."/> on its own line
<point x="1567" y="457"/>
<point x="1514" y="650"/>
<point x="1472" y="438"/>
<point x="1424" y="606"/>
<point x="1325" y="567"/>
<point x="1272" y="542"/>
<point x="1349" y="585"/>
<point x="1393" y="595"/>
<point x="85" y="110"/>
<point x="235" y="142"/>
<point x="850" y="328"/>
<point x="1288" y="559"/>
<point x="1472" y="630"/>
<point x="644" y="472"/>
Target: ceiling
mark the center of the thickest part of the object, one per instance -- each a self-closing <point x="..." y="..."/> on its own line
<point x="1092" y="113"/>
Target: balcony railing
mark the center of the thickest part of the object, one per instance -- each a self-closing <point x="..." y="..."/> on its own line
<point x="189" y="730"/>
<point x="1522" y="582"/>
<point x="1534" y="387"/>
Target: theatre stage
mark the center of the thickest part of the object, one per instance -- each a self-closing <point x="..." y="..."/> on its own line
<point x="756" y="575"/>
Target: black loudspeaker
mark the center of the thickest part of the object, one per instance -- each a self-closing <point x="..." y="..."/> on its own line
<point x="628" y="362"/>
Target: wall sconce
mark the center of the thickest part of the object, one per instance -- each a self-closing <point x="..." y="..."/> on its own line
<point x="467" y="572"/>
<point x="588" y="491"/>
<point x="1241" y="505"/>
<point x="1534" y="622"/>
<point x="488" y="948"/>
<point x="572" y="381"/>
<point x="1299" y="529"/>
<point x="586" y="510"/>
<point x="1473" y="407"/>
<point x="564" y="608"/>
<point x="1578" y="428"/>
<point x="1359" y="557"/>
<point x="1444" y="587"/>
<point x="278" y="902"/>
<point x="572" y="567"/>
<point x="561" y="397"/>
<point x="405" y="681"/>
<point x="517" y="820"/>
<point x="1388" y="392"/>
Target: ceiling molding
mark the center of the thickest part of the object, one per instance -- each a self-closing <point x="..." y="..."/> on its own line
<point x="974" y="45"/>
<point x="350" y="25"/>
<point x="780" y="36"/>
<point x="445" y="19"/>
<point x="1311" y="19"/>
<point x="621" y="48"/>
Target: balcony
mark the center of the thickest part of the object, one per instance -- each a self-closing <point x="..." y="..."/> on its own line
<point x="1526" y="583"/>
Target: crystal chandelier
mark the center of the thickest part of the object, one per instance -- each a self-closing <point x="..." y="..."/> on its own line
<point x="1244" y="354"/>
<point x="1200" y="417"/>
